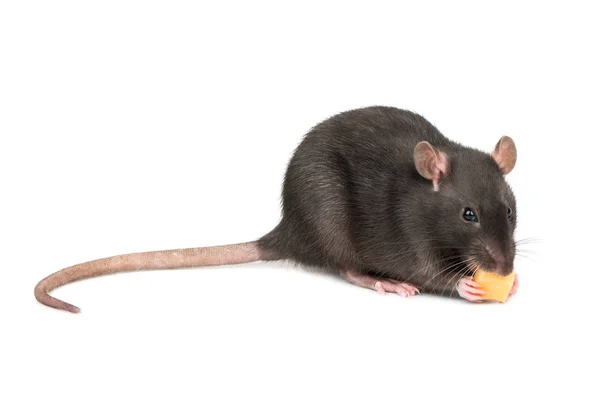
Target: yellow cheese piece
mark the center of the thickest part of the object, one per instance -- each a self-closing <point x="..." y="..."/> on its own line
<point x="496" y="287"/>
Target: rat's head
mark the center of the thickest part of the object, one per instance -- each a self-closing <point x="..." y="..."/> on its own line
<point x="473" y="208"/>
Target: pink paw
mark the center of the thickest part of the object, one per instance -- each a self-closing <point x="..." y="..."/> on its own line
<point x="468" y="289"/>
<point x="515" y="286"/>
<point x="393" y="286"/>
<point x="381" y="285"/>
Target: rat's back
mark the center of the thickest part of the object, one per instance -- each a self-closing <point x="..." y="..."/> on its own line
<point x="340" y="183"/>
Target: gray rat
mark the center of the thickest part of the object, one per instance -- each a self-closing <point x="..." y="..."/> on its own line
<point x="379" y="195"/>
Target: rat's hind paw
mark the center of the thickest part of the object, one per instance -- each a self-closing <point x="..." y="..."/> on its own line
<point x="469" y="289"/>
<point x="380" y="285"/>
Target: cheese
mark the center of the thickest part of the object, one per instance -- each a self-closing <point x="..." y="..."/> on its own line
<point x="496" y="287"/>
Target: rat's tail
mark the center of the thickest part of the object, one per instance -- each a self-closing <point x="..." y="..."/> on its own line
<point x="165" y="259"/>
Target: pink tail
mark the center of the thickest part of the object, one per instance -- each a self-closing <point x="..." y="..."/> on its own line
<point x="164" y="259"/>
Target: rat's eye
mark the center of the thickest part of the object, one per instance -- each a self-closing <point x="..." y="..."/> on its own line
<point x="470" y="215"/>
<point x="509" y="212"/>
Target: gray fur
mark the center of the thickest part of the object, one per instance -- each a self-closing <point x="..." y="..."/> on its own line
<point x="353" y="200"/>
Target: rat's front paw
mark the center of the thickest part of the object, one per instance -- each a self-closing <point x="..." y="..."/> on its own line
<point x="515" y="286"/>
<point x="468" y="289"/>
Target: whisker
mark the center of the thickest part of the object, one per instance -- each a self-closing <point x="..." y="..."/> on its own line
<point x="471" y="267"/>
<point x="527" y="241"/>
<point x="526" y="257"/>
<point x="446" y="269"/>
<point x="526" y="251"/>
<point x="460" y="273"/>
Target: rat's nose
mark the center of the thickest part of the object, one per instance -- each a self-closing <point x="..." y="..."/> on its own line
<point x="504" y="268"/>
<point x="501" y="265"/>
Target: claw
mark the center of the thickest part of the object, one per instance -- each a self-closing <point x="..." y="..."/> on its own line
<point x="401" y="292"/>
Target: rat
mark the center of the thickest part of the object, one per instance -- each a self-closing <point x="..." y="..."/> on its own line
<point x="377" y="195"/>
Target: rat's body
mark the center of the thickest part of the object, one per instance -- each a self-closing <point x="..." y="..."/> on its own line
<point x="365" y="196"/>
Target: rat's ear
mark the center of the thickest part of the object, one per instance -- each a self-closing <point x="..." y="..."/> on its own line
<point x="505" y="154"/>
<point x="430" y="162"/>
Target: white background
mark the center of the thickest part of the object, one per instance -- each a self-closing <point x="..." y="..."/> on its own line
<point x="130" y="126"/>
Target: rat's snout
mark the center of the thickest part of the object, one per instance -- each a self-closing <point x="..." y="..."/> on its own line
<point x="504" y="268"/>
<point x="499" y="263"/>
